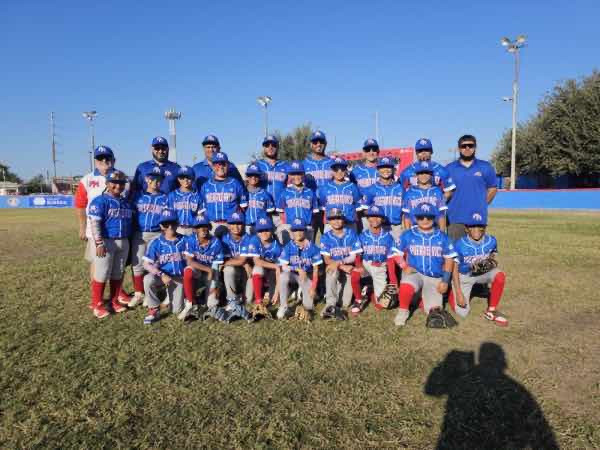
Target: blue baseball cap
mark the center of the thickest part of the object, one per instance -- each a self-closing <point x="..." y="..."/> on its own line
<point x="236" y="217"/>
<point x="423" y="144"/>
<point x="211" y="139"/>
<point x="375" y="211"/>
<point x="370" y="143"/>
<point x="264" y="224"/>
<point x="426" y="209"/>
<point x="335" y="213"/>
<point x="185" y="171"/>
<point x="476" y="220"/>
<point x="159" y="141"/>
<point x="339" y="162"/>
<point x="156" y="172"/>
<point x="424" y="167"/>
<point x="296" y="167"/>
<point x="116" y="176"/>
<point x="103" y="150"/>
<point x="385" y="162"/>
<point x="253" y="169"/>
<point x="298" y="225"/>
<point x="168" y="216"/>
<point x="270" y="139"/>
<point x="318" y="136"/>
<point x="220" y="157"/>
<point x="200" y="221"/>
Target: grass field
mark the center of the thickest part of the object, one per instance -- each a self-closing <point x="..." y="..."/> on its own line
<point x="68" y="380"/>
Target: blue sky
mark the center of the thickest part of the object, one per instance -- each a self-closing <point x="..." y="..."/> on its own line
<point x="433" y="69"/>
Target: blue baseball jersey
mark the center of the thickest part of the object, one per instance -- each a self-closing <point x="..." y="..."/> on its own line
<point x="222" y="198"/>
<point x="469" y="251"/>
<point x="440" y="177"/>
<point x="472" y="184"/>
<point x="206" y="254"/>
<point x="274" y="177"/>
<point x="378" y="247"/>
<point x="270" y="252"/>
<point x="339" y="248"/>
<point x="416" y="196"/>
<point x="260" y="204"/>
<point x="298" y="204"/>
<point x="305" y="258"/>
<point x="114" y="214"/>
<point x="203" y="172"/>
<point x="148" y="208"/>
<point x="364" y="176"/>
<point x="169" y="170"/>
<point x="186" y="205"/>
<point x="233" y="248"/>
<point x="344" y="196"/>
<point x="318" y="171"/>
<point x="426" y="252"/>
<point x="167" y="255"/>
<point x="387" y="197"/>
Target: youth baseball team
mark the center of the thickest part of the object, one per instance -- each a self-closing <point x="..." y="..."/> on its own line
<point x="205" y="243"/>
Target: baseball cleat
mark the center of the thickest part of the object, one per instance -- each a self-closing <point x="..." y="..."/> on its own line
<point x="187" y="307"/>
<point x="100" y="312"/>
<point x="137" y="298"/>
<point x="282" y="312"/>
<point x="153" y="316"/>
<point x="496" y="317"/>
<point x="118" y="308"/>
<point x="124" y="299"/>
<point x="401" y="318"/>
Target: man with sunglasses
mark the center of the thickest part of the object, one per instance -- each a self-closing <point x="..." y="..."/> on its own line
<point x="440" y="175"/>
<point x="275" y="173"/>
<point x="475" y="181"/>
<point x="317" y="166"/>
<point x="160" y="159"/>
<point x="364" y="174"/>
<point x="204" y="170"/>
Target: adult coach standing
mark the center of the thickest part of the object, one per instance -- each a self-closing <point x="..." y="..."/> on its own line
<point x="204" y="170"/>
<point x="275" y="171"/>
<point x="317" y="167"/>
<point x="475" y="181"/>
<point x="160" y="159"/>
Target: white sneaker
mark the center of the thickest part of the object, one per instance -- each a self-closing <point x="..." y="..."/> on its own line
<point x="401" y="318"/>
<point x="137" y="298"/>
<point x="281" y="312"/>
<point x="187" y="307"/>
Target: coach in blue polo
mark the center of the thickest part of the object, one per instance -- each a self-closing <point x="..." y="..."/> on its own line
<point x="160" y="158"/>
<point x="475" y="181"/>
<point x="203" y="170"/>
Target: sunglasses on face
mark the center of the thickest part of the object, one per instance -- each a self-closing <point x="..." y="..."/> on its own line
<point x="371" y="150"/>
<point x="338" y="169"/>
<point x="318" y="142"/>
<point x="270" y="145"/>
<point x="423" y="218"/>
<point x="104" y="159"/>
<point x="467" y="145"/>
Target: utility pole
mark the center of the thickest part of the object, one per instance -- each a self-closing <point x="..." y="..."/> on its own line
<point x="171" y="115"/>
<point x="90" y="116"/>
<point x="377" y="126"/>
<point x="264" y="101"/>
<point x="53" y="137"/>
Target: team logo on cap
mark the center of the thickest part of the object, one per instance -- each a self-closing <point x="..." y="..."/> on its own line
<point x="93" y="208"/>
<point x="262" y="221"/>
<point x="425" y="207"/>
<point x="295" y="165"/>
<point x="423" y="141"/>
<point x="477" y="216"/>
<point x="297" y="222"/>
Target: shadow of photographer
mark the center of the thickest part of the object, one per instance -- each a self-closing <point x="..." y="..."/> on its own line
<point x="486" y="408"/>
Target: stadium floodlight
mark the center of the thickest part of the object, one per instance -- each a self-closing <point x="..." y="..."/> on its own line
<point x="507" y="99"/>
<point x="171" y="115"/>
<point x="514" y="47"/>
<point x="90" y="116"/>
<point x="264" y="101"/>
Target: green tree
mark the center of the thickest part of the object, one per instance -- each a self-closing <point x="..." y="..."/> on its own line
<point x="293" y="145"/>
<point x="563" y="137"/>
<point x="7" y="175"/>
<point x="38" y="184"/>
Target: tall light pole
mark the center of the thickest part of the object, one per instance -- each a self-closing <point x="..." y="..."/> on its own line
<point x="90" y="116"/>
<point x="171" y="116"/>
<point x="514" y="47"/>
<point x="264" y="101"/>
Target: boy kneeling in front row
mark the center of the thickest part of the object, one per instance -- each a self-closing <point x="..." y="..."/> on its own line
<point x="427" y="267"/>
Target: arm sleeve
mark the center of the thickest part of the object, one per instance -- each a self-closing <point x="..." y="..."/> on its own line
<point x="81" y="198"/>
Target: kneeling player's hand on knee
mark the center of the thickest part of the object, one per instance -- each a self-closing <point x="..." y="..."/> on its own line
<point x="166" y="279"/>
<point x="460" y="299"/>
<point x="100" y="251"/>
<point x="442" y="287"/>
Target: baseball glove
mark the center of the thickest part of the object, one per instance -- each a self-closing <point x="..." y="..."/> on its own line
<point x="389" y="297"/>
<point x="302" y="314"/>
<point x="260" y="310"/>
<point x="439" y="318"/>
<point x="482" y="266"/>
<point x="333" y="312"/>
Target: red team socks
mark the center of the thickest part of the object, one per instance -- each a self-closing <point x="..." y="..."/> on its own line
<point x="496" y="290"/>
<point x="257" y="285"/>
<point x="405" y="295"/>
<point x="391" y="269"/>
<point x="138" y="283"/>
<point x="355" y="283"/>
<point x="97" y="293"/>
<point x="115" y="290"/>
<point x="188" y="285"/>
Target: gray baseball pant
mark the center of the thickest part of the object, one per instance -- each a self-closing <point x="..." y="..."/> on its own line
<point x="284" y="289"/>
<point x="112" y="265"/>
<point x="139" y="244"/>
<point x="428" y="288"/>
<point x="237" y="282"/>
<point x="466" y="285"/>
<point x="456" y="231"/>
<point x="379" y="275"/>
<point x="207" y="298"/>
<point x="337" y="283"/>
<point x="186" y="231"/>
<point x="174" y="292"/>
